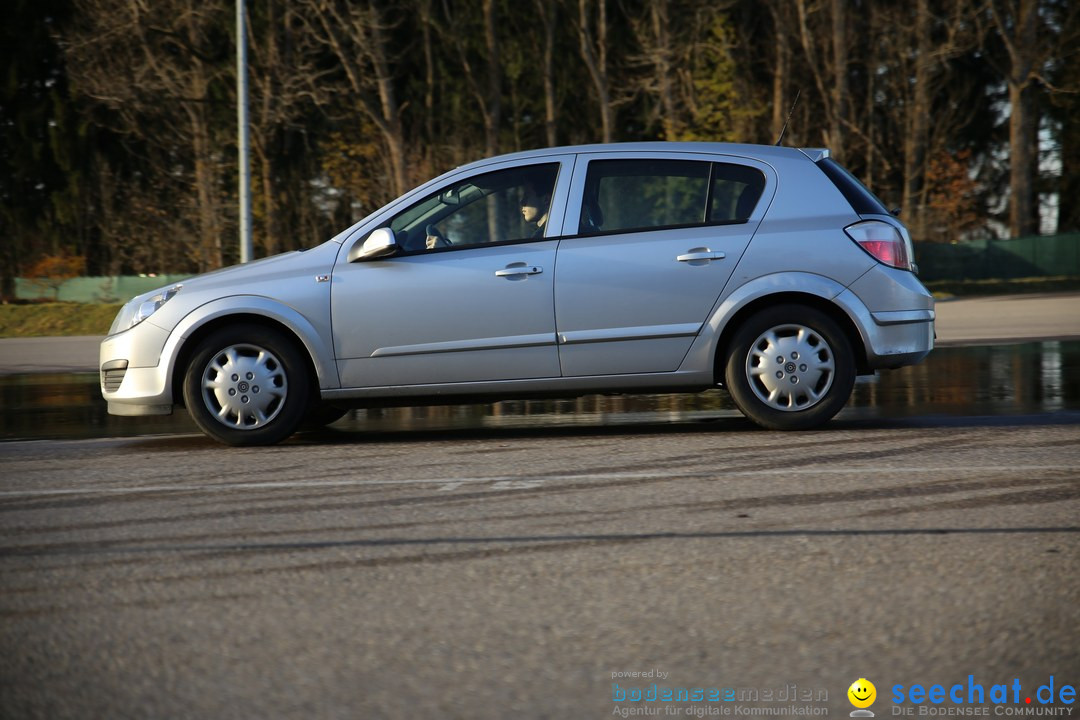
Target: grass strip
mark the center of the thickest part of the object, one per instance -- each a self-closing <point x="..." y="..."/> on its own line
<point x="55" y="319"/>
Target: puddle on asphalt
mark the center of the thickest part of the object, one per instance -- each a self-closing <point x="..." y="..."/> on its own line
<point x="1026" y="379"/>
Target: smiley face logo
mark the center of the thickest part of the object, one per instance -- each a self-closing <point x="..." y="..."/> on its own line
<point x="862" y="693"/>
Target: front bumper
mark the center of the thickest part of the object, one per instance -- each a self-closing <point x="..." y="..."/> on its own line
<point x="133" y="379"/>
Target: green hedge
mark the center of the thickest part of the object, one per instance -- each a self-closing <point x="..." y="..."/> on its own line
<point x="117" y="289"/>
<point x="1026" y="257"/>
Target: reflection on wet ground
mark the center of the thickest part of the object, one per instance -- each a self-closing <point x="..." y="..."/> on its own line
<point x="1033" y="378"/>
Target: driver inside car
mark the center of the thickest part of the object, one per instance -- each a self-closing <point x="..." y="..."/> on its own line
<point x="534" y="207"/>
<point x="435" y="238"/>
<point x="529" y="192"/>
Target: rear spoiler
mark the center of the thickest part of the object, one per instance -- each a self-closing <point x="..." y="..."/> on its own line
<point x="815" y="154"/>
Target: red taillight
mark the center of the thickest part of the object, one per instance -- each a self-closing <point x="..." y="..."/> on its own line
<point x="881" y="240"/>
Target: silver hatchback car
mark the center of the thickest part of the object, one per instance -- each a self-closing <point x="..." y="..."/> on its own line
<point x="646" y="267"/>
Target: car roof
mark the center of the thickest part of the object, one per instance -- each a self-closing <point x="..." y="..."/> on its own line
<point x="762" y="152"/>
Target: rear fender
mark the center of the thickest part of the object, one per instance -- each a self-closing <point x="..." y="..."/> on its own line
<point x="782" y="287"/>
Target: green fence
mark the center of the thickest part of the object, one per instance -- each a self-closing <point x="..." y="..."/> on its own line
<point x="1037" y="256"/>
<point x="120" y="288"/>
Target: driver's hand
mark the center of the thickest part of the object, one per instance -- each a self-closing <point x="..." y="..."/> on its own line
<point x="432" y="242"/>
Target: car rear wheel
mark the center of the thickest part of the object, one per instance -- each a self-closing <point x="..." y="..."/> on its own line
<point x="247" y="385"/>
<point x="790" y="367"/>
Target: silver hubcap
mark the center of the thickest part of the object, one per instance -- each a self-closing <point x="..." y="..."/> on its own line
<point x="790" y="367"/>
<point x="244" y="387"/>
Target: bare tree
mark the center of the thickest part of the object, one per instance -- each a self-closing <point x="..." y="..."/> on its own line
<point x="285" y="82"/>
<point x="825" y="71"/>
<point x="426" y="18"/>
<point x="671" y="49"/>
<point x="780" y="11"/>
<point x="357" y="36"/>
<point x="156" y="69"/>
<point x="918" y="122"/>
<point x="549" y="12"/>
<point x="1017" y="25"/>
<point x="659" y="16"/>
<point x="487" y="91"/>
<point x="594" y="53"/>
<point x="840" y="92"/>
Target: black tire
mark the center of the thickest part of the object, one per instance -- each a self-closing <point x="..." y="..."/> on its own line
<point x="247" y="385"/>
<point x="781" y="392"/>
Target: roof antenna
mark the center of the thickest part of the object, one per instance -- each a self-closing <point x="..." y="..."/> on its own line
<point x="790" y="113"/>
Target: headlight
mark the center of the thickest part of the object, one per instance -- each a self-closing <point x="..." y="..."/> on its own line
<point x="141" y="308"/>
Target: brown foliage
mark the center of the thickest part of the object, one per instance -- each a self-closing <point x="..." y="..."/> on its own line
<point x="952" y="198"/>
<point x="50" y="271"/>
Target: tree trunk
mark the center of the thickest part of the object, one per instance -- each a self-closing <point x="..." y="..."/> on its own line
<point x="781" y="103"/>
<point x="270" y="239"/>
<point x="918" y="120"/>
<point x="493" y="115"/>
<point x="429" y="87"/>
<point x="662" y="63"/>
<point x="264" y="134"/>
<point x="1022" y="163"/>
<point x="548" y="12"/>
<point x="815" y="65"/>
<point x="209" y="234"/>
<point x="1068" y="219"/>
<point x="390" y="111"/>
<point x="1020" y="37"/>
<point x="596" y="63"/>
<point x="838" y="133"/>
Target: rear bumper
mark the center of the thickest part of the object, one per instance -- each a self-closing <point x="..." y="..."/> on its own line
<point x="899" y="330"/>
<point x="897" y="344"/>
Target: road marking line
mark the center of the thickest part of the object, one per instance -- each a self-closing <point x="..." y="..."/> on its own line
<point x="504" y="482"/>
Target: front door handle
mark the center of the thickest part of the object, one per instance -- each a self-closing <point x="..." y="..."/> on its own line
<point x="518" y="269"/>
<point x="698" y="254"/>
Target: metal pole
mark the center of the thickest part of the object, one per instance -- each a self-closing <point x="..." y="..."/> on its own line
<point x="242" y="128"/>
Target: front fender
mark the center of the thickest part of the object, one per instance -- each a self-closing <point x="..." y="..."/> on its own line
<point x="316" y="346"/>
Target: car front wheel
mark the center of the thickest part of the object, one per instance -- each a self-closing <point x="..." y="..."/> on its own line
<point x="789" y="367"/>
<point x="247" y="385"/>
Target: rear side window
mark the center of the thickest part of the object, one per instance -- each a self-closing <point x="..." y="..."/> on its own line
<point x="624" y="195"/>
<point x="736" y="190"/>
<point x="858" y="196"/>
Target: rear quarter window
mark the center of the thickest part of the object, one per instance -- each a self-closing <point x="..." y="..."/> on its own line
<point x="862" y="201"/>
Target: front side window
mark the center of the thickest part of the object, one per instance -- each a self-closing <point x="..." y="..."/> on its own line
<point x="623" y="195"/>
<point x="500" y="206"/>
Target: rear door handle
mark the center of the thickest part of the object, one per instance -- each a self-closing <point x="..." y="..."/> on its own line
<point x="700" y="254"/>
<point x="519" y="268"/>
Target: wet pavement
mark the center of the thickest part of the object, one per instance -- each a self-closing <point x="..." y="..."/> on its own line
<point x="1039" y="378"/>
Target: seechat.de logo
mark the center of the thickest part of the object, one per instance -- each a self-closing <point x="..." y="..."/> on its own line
<point x="862" y="695"/>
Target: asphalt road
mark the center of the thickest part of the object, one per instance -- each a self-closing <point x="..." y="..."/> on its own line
<point x="512" y="574"/>
<point x="524" y="573"/>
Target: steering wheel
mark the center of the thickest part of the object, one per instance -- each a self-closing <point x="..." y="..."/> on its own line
<point x="440" y="239"/>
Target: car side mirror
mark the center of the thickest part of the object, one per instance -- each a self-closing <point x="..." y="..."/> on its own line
<point x="380" y="243"/>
